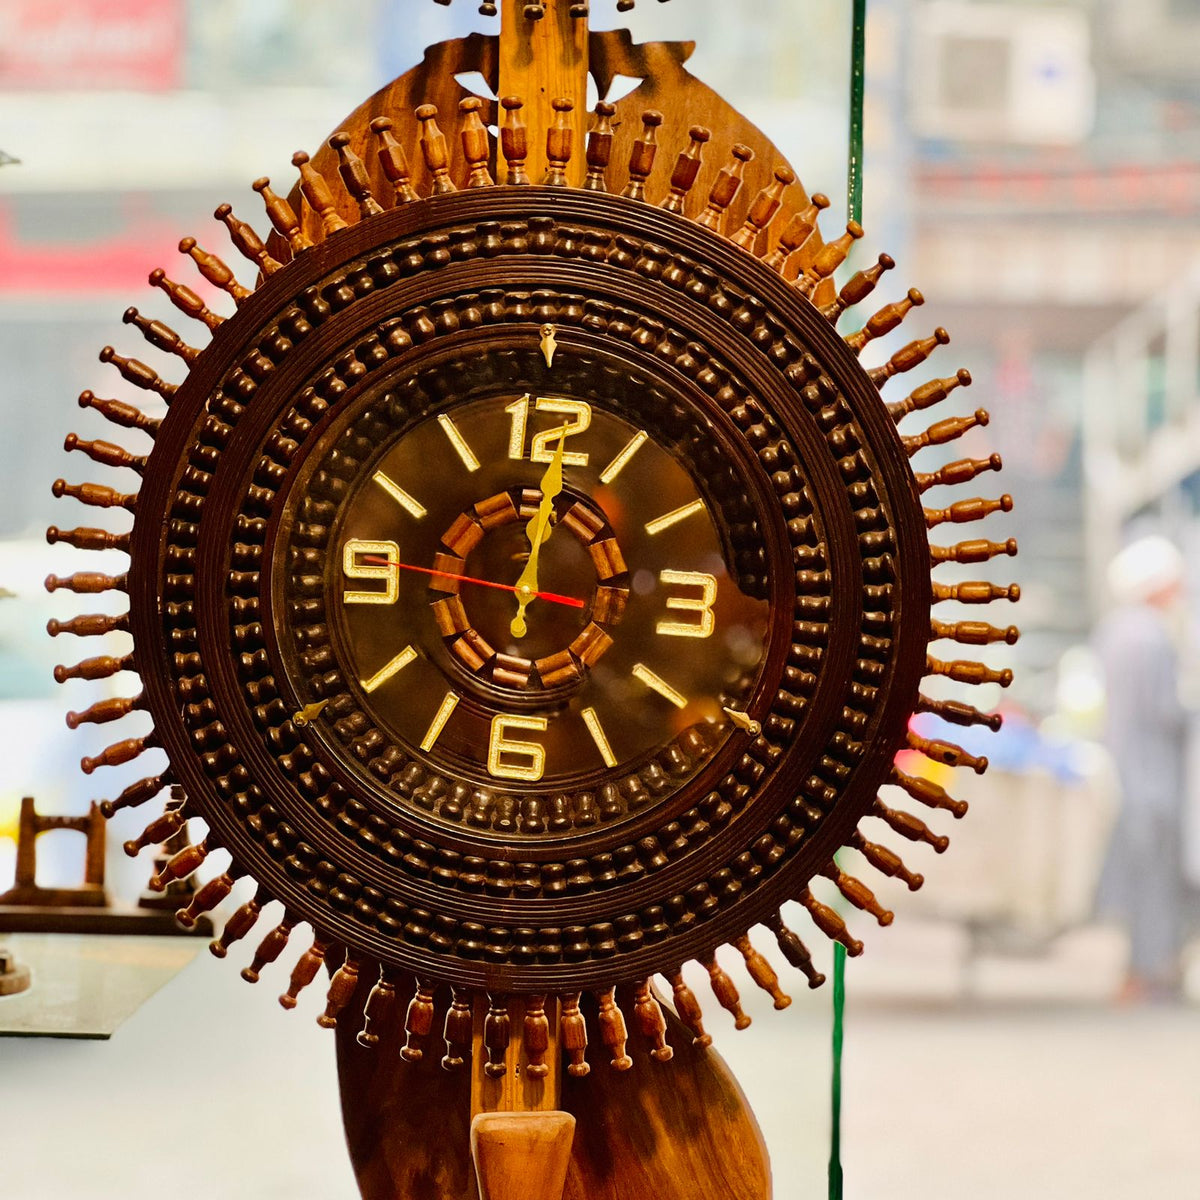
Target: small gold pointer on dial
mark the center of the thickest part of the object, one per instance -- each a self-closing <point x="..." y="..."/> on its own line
<point x="549" y="344"/>
<point x="538" y="530"/>
<point x="744" y="721"/>
<point x="308" y="713"/>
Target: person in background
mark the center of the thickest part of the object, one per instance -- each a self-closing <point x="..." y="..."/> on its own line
<point x="1145" y="731"/>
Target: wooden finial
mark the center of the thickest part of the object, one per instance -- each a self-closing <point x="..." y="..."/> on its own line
<point x="956" y="712"/>
<point x="765" y="208"/>
<point x="573" y="1030"/>
<point x="925" y="791"/>
<point x="496" y="1032"/>
<point x="688" y="1008"/>
<point x="246" y="241"/>
<point x="884" y="321"/>
<point x="948" y="753"/>
<point x="599" y="148"/>
<point x="962" y="471"/>
<point x="886" y="862"/>
<point x="929" y="394"/>
<point x="967" y="510"/>
<point x="858" y="894"/>
<point x="159" y="830"/>
<point x="88" y="538"/>
<point x="394" y="161"/>
<point x="342" y="987"/>
<point x="828" y="259"/>
<point x="354" y="175"/>
<point x="945" y="431"/>
<point x="89" y="583"/>
<point x="433" y="147"/>
<point x="829" y="923"/>
<point x="138" y="373"/>
<point x="316" y="192"/>
<point x="762" y="972"/>
<point x="725" y="189"/>
<point x="475" y="144"/>
<point x="797" y="231"/>
<point x="909" y="826"/>
<point x="282" y="217"/>
<point x="379" y="1008"/>
<point x="214" y="270"/>
<point x="96" y="495"/>
<point x="612" y="1030"/>
<point x="119" y="413"/>
<point x="973" y="592"/>
<point x="418" y="1022"/>
<point x="979" y="633"/>
<point x="240" y="923"/>
<point x="687" y="168"/>
<point x="725" y="991"/>
<point x="456" y="1032"/>
<point x="794" y="950"/>
<point x="305" y="971"/>
<point x="514" y="140"/>
<point x="185" y="299"/>
<point x="207" y="897"/>
<point x="559" y="139"/>
<point x="103" y="666"/>
<point x="135" y="795"/>
<point x="270" y="948"/>
<point x="181" y="864"/>
<point x="116" y="755"/>
<point x="641" y="158"/>
<point x="651" y="1023"/>
<point x="857" y="288"/>
<point x="536" y="1037"/>
<point x="106" y="453"/>
<point x="908" y="357"/>
<point x="160" y="335"/>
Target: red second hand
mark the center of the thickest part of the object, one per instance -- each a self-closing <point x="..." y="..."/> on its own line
<point x="553" y="597"/>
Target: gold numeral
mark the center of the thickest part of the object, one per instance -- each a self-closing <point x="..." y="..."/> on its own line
<point x="500" y="745"/>
<point x="412" y="507"/>
<point x="599" y="737"/>
<point x="673" y="518"/>
<point x="448" y="705"/>
<point x="459" y="443"/>
<point x="519" y="411"/>
<point x="619" y="463"/>
<point x="386" y="573"/>
<point x="546" y="443"/>
<point x="702" y="604"/>
<point x="393" y="668"/>
<point x="643" y="674"/>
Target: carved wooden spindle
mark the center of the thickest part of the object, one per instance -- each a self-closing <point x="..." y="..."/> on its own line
<point x="828" y="259"/>
<point x="929" y="394"/>
<point x="573" y="1032"/>
<point x="857" y="288"/>
<point x="95" y="495"/>
<point x="559" y="142"/>
<point x="764" y="209"/>
<point x="138" y="373"/>
<point x="305" y="971"/>
<point x="536" y="1037"/>
<point x="926" y="792"/>
<point x="974" y="633"/>
<point x="886" y="862"/>
<point x="829" y="923"/>
<point x="794" y="950"/>
<point x="909" y="826"/>
<point x="858" y="893"/>
<point x="394" y="161"/>
<point x="435" y="150"/>
<point x="962" y="471"/>
<point x="457" y="1031"/>
<point x="87" y="583"/>
<point x="725" y="991"/>
<point x="884" y="321"/>
<point x="103" y="666"/>
<point x="975" y="551"/>
<point x="341" y="991"/>
<point x="948" y="753"/>
<point x="599" y="148"/>
<point x="214" y="269"/>
<point x="118" y="412"/>
<point x="240" y="923"/>
<point x="909" y="357"/>
<point x="107" y="454"/>
<point x="89" y="625"/>
<point x="184" y="299"/>
<point x="379" y="1008"/>
<point x="159" y="830"/>
<point x="687" y="168"/>
<point x="651" y="1023"/>
<point x="270" y="948"/>
<point x="207" y="897"/>
<point x="963" y="511"/>
<point x="688" y="1009"/>
<point x="85" y="538"/>
<point x="967" y="671"/>
<point x="612" y="1030"/>
<point x="160" y="335"/>
<point x="496" y="1032"/>
<point x="135" y="794"/>
<point x="959" y="713"/>
<point x="418" y="1022"/>
<point x="725" y="190"/>
<point x="282" y="217"/>
<point x="118" y="754"/>
<point x="476" y="147"/>
<point x="642" y="156"/>
<point x="316" y="191"/>
<point x="514" y="141"/>
<point x="800" y="227"/>
<point x="949" y="430"/>
<point x="353" y="172"/>
<point x="180" y="865"/>
<point x="762" y="972"/>
<point x="246" y="240"/>
<point x="975" y="592"/>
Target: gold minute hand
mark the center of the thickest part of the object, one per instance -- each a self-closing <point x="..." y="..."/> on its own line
<point x="538" y="531"/>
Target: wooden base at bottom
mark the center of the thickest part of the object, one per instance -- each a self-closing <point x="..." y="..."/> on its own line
<point x="522" y="1155"/>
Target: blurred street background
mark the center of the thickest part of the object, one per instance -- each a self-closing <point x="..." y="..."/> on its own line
<point x="1034" y="168"/>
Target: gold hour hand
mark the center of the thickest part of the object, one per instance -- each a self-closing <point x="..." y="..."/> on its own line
<point x="538" y="531"/>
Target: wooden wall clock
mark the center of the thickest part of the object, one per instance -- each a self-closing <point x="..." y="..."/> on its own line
<point x="531" y="593"/>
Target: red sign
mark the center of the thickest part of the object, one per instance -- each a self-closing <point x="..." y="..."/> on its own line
<point x="91" y="44"/>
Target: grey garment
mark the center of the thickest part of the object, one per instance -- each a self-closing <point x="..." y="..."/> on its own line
<point x="1146" y="729"/>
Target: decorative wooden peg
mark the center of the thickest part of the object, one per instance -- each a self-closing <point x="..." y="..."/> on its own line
<point x="536" y="1037"/>
<point x="214" y="270"/>
<point x="433" y="147"/>
<point x="794" y="950"/>
<point x="138" y="373"/>
<point x="87" y="583"/>
<point x="762" y="972"/>
<point x="641" y="158"/>
<point x="270" y="948"/>
<point x="246" y="241"/>
<point x="688" y="1009"/>
<point x="929" y="394"/>
<point x="962" y="471"/>
<point x="457" y="1030"/>
<point x="496" y="1032"/>
<point x="379" y="1008"/>
<point x="725" y="991"/>
<point x="945" y="431"/>
<point x="160" y="335"/>
<point x="976" y="551"/>
<point x="858" y="894"/>
<point x="857" y="288"/>
<point x="240" y="924"/>
<point x="886" y="862"/>
<point x="103" y="666"/>
<point x="316" y="191"/>
<point x="599" y="148"/>
<point x="135" y="794"/>
<point x="108" y="454"/>
<point x="725" y="189"/>
<point x="947" y="753"/>
<point x="966" y="671"/>
<point x="909" y="826"/>
<point x="764" y="209"/>
<point x="974" y="633"/>
<point x="925" y="791"/>
<point x="908" y="357"/>
<point x="88" y="539"/>
<point x="687" y="168"/>
<point x="651" y="1023"/>
<point x="829" y="923"/>
<point x="514" y="141"/>
<point x="976" y="593"/>
<point x="963" y="511"/>
<point x="612" y="1030"/>
<point x="573" y="1032"/>
<point x="342" y="987"/>
<point x="207" y="897"/>
<point x="559" y="138"/>
<point x="305" y="971"/>
<point x="958" y="713"/>
<point x="797" y="231"/>
<point x="95" y="495"/>
<point x="185" y="299"/>
<point x="884" y="321"/>
<point x="282" y="217"/>
<point x="119" y="413"/>
<point x="394" y="161"/>
<point x="159" y="830"/>
<point x="418" y="1022"/>
<point x="180" y="865"/>
<point x="90" y="625"/>
<point x="828" y="259"/>
<point x="354" y="175"/>
<point x="475" y="144"/>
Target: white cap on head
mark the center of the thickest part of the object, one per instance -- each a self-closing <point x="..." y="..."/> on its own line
<point x="1143" y="569"/>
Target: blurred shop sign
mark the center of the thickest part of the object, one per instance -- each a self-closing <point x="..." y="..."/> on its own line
<point x="91" y="44"/>
<point x="1001" y="73"/>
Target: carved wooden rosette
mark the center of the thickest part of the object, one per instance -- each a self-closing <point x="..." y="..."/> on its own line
<point x="373" y="311"/>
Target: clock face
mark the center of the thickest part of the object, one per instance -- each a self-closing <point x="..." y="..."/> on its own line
<point x="572" y="684"/>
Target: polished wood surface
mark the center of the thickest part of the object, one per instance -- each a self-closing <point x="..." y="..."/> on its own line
<point x="522" y="1155"/>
